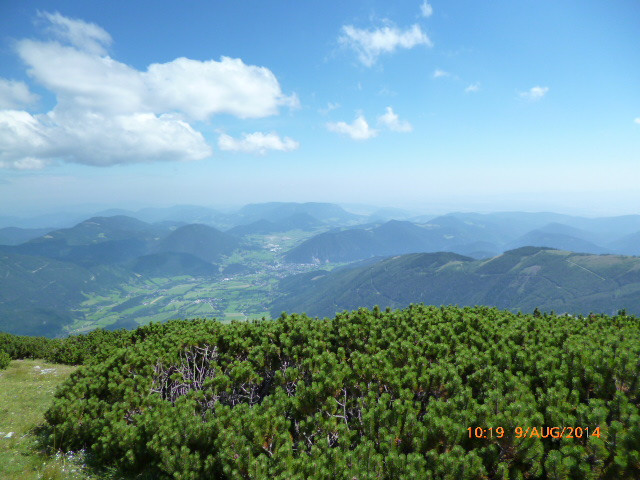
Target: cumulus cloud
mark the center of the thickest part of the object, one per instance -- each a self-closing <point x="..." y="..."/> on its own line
<point x="474" y="87"/>
<point x="108" y="112"/>
<point x="196" y="88"/>
<point x="14" y="94"/>
<point x="202" y="89"/>
<point x="83" y="81"/>
<point x="257" y="142"/>
<point x="369" y="44"/>
<point x="358" y="130"/>
<point x="22" y="138"/>
<point x="426" y="10"/>
<point x="534" y="93"/>
<point x="32" y="141"/>
<point x="391" y="120"/>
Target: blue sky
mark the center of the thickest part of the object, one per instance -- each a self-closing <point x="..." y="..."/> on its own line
<point x="433" y="106"/>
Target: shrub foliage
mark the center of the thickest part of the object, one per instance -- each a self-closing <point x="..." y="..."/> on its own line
<point x="367" y="394"/>
<point x="5" y="359"/>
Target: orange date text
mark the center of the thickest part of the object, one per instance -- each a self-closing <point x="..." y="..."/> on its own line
<point x="535" y="432"/>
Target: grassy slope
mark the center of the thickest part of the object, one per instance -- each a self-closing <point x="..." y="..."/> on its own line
<point x="25" y="394"/>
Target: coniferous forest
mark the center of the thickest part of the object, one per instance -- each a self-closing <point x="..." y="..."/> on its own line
<point x="423" y="392"/>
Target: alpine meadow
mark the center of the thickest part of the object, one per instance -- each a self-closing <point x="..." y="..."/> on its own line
<point x="313" y="241"/>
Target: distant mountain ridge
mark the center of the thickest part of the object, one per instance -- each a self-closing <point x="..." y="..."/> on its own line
<point x="295" y="221"/>
<point x="278" y="211"/>
<point x="97" y="240"/>
<point x="507" y="226"/>
<point x="520" y="279"/>
<point x="391" y="238"/>
<point x="97" y="230"/>
<point x="627" y="245"/>
<point x="541" y="238"/>
<point x="476" y="235"/>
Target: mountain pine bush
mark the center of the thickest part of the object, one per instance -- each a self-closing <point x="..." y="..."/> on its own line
<point x="5" y="359"/>
<point x="366" y="395"/>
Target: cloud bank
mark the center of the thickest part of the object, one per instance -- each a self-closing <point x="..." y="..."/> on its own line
<point x="110" y="113"/>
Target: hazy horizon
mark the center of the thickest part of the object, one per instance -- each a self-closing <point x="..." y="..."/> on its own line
<point x="435" y="209"/>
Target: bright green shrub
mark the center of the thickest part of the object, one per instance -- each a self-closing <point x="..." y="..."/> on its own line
<point x="365" y="395"/>
<point x="18" y="346"/>
<point x="73" y="350"/>
<point x="5" y="359"/>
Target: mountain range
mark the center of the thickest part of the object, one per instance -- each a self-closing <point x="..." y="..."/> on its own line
<point x="467" y="234"/>
<point x="46" y="273"/>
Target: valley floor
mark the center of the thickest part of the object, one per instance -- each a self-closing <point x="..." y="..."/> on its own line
<point x="236" y="296"/>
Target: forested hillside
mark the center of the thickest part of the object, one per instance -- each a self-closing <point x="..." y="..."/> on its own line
<point x="37" y="294"/>
<point x="520" y="279"/>
<point x="425" y="392"/>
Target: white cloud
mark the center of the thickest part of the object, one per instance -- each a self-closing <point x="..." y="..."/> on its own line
<point x="196" y="88"/>
<point x="14" y="94"/>
<point x="22" y="138"/>
<point x="637" y="120"/>
<point x="82" y="35"/>
<point x="474" y="87"/>
<point x="330" y="106"/>
<point x="30" y="141"/>
<point x="437" y="73"/>
<point x="84" y="81"/>
<point x="369" y="44"/>
<point x="202" y="89"/>
<point x="108" y="112"/>
<point x="426" y="10"/>
<point x="534" y="93"/>
<point x="392" y="122"/>
<point x="257" y="142"/>
<point x="358" y="130"/>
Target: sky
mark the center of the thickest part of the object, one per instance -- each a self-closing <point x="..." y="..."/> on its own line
<point x="431" y="106"/>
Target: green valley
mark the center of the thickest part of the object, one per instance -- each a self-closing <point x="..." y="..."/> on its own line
<point x="226" y="296"/>
<point x="121" y="272"/>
